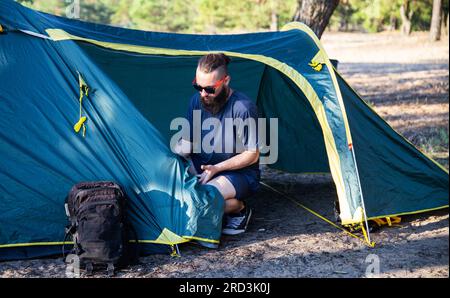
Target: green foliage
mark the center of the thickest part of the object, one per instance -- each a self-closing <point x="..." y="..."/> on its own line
<point x="228" y="15"/>
<point x="378" y="15"/>
<point x="225" y="16"/>
<point x="161" y="15"/>
<point x="433" y="142"/>
<point x="97" y="11"/>
<point x="51" y="6"/>
<point x="208" y="16"/>
<point x="422" y="14"/>
<point x="366" y="15"/>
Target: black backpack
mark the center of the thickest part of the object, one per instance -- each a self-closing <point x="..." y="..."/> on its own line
<point x="98" y="226"/>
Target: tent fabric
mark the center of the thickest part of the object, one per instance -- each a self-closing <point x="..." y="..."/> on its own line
<point x="396" y="177"/>
<point x="139" y="81"/>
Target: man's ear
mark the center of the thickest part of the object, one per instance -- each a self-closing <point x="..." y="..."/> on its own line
<point x="227" y="80"/>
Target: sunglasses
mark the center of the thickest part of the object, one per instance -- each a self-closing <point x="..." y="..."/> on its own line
<point x="208" y="89"/>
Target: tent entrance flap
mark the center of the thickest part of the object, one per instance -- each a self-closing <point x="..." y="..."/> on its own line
<point x="301" y="147"/>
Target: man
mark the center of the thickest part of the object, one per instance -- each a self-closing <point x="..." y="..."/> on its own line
<point x="235" y="174"/>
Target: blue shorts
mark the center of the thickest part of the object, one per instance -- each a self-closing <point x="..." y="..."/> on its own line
<point x="244" y="185"/>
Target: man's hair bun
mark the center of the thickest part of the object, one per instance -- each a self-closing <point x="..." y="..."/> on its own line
<point x="211" y="62"/>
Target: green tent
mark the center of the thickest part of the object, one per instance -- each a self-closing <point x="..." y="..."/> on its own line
<point x="138" y="82"/>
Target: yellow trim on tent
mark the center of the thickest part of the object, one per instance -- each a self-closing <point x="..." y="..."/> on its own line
<point x="161" y="240"/>
<point x="168" y="237"/>
<point x="322" y="55"/>
<point x="358" y="217"/>
<point x="409" y="213"/>
<point x="296" y="77"/>
<point x="201" y="239"/>
<point x="34" y="244"/>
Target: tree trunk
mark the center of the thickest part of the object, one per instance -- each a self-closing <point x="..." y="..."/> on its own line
<point x="448" y="25"/>
<point x="392" y="23"/>
<point x="443" y="25"/>
<point x="406" y="14"/>
<point x="273" y="17"/>
<point x="274" y="21"/>
<point x="435" y="28"/>
<point x="346" y="15"/>
<point x="315" y="13"/>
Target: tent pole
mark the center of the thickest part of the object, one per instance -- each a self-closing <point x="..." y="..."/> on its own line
<point x="352" y="149"/>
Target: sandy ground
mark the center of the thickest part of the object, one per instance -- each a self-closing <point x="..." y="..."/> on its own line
<point x="406" y="80"/>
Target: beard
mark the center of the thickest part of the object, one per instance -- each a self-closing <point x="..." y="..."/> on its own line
<point x="216" y="103"/>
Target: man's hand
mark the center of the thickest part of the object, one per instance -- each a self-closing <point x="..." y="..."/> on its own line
<point x="209" y="171"/>
<point x="236" y="162"/>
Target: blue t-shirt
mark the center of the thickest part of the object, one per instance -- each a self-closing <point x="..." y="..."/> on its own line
<point x="225" y="141"/>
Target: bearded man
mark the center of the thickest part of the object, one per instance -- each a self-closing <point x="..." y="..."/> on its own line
<point x="233" y="164"/>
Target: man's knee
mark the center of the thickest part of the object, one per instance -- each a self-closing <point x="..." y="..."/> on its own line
<point x="224" y="186"/>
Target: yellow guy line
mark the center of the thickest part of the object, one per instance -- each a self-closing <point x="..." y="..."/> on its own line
<point x="319" y="216"/>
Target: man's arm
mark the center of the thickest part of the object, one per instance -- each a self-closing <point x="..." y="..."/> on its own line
<point x="236" y="162"/>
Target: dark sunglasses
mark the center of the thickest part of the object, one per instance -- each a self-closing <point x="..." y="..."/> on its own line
<point x="208" y="89"/>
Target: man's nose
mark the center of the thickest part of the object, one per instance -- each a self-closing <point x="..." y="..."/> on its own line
<point x="203" y="93"/>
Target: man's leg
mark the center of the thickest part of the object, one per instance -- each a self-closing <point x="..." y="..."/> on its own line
<point x="237" y="216"/>
<point x="226" y="188"/>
